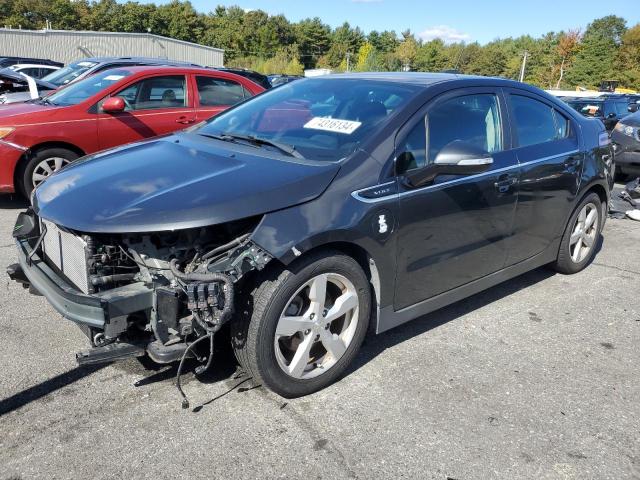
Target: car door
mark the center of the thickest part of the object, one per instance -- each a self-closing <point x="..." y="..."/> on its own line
<point x="454" y="229"/>
<point x="155" y="105"/>
<point x="215" y="94"/>
<point x="547" y="146"/>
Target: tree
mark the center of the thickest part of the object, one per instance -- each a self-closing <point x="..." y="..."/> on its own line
<point x="628" y="60"/>
<point x="431" y="56"/>
<point x="313" y="38"/>
<point x="567" y="46"/>
<point x="407" y="50"/>
<point x="594" y="61"/>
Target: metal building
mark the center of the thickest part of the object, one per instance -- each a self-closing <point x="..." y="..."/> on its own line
<point x="69" y="45"/>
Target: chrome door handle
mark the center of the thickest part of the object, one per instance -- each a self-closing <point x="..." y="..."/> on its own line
<point x="505" y="182"/>
<point x="185" y="120"/>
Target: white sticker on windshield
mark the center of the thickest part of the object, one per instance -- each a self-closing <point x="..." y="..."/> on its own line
<point x="333" y="125"/>
<point x="113" y="77"/>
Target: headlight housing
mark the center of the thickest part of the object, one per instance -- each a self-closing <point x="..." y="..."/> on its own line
<point x="4" y="131"/>
<point x="627" y="130"/>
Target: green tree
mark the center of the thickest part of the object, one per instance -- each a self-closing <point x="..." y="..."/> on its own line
<point x="313" y="38"/>
<point x="628" y="60"/>
<point x="594" y="60"/>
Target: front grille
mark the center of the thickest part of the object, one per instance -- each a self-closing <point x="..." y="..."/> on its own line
<point x="67" y="252"/>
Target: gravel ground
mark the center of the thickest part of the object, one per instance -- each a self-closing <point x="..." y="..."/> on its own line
<point x="536" y="378"/>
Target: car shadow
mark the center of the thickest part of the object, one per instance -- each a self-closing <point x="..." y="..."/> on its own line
<point x="374" y="345"/>
<point x="13" y="201"/>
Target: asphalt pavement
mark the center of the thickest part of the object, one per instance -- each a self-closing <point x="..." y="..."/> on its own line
<point x="536" y="378"/>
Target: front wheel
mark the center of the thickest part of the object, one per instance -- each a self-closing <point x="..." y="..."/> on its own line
<point x="304" y="325"/>
<point x="41" y="164"/>
<point x="581" y="236"/>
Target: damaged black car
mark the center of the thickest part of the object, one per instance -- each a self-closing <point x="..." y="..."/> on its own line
<point x="303" y="218"/>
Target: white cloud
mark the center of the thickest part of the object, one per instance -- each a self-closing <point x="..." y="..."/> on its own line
<point x="444" y="32"/>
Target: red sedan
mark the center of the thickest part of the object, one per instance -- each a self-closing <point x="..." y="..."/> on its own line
<point x="108" y="109"/>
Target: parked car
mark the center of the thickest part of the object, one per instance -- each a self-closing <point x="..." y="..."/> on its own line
<point x="626" y="142"/>
<point x="418" y="191"/>
<point x="608" y="108"/>
<point x="255" y="77"/>
<point x="105" y="110"/>
<point x="18" y="87"/>
<point x="88" y="66"/>
<point x="8" y="61"/>
<point x="277" y="80"/>
<point x="33" y="70"/>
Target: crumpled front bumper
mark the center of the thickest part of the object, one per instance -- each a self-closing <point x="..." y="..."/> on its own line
<point x="98" y="311"/>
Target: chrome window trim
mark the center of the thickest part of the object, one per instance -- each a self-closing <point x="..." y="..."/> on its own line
<point x="442" y="185"/>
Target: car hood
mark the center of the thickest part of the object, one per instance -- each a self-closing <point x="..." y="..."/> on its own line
<point x="632" y="120"/>
<point x="12" y="75"/>
<point x="176" y="182"/>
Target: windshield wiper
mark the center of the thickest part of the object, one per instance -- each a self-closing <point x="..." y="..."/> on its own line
<point x="283" y="147"/>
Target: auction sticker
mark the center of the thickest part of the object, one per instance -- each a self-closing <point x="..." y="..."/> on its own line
<point x="333" y="125"/>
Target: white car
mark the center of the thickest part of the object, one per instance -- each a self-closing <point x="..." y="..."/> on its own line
<point x="34" y="70"/>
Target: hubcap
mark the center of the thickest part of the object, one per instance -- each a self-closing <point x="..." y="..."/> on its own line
<point x="46" y="167"/>
<point x="584" y="233"/>
<point x="317" y="326"/>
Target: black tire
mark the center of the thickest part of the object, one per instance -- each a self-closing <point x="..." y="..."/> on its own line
<point x="25" y="176"/>
<point x="564" y="263"/>
<point x="253" y="333"/>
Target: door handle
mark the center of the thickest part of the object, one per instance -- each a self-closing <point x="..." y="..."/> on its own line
<point x="572" y="162"/>
<point x="505" y="182"/>
<point x="185" y="120"/>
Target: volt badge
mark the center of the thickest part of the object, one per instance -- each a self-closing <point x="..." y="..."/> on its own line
<point x="382" y="224"/>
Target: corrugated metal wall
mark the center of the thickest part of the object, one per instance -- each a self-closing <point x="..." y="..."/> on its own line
<point x="67" y="46"/>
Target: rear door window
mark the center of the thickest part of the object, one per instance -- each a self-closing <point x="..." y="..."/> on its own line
<point x="215" y="92"/>
<point x="535" y="121"/>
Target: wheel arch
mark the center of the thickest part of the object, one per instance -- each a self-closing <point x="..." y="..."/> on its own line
<point x="366" y="262"/>
<point x="17" y="171"/>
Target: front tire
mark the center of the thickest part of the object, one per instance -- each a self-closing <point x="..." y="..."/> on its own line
<point x="581" y="236"/>
<point x="41" y="164"/>
<point x="302" y="326"/>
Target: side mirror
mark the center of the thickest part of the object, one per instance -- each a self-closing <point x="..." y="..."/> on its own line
<point x="633" y="107"/>
<point x="455" y="158"/>
<point x="113" y="105"/>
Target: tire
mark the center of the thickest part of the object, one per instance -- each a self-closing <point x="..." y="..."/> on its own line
<point x="569" y="259"/>
<point x="261" y="339"/>
<point x="38" y="162"/>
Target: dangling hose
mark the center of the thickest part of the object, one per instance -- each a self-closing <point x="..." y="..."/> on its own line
<point x="227" y="311"/>
<point x="185" y="400"/>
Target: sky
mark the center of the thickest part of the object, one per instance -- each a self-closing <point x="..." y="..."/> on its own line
<point x="460" y="20"/>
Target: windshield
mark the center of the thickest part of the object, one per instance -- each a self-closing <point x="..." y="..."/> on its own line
<point x="588" y="109"/>
<point x="322" y="119"/>
<point x="87" y="88"/>
<point x="68" y="73"/>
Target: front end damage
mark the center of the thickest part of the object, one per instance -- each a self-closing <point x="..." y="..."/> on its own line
<point x="157" y="294"/>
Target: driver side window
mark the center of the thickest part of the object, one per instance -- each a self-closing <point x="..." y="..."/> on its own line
<point x="473" y="119"/>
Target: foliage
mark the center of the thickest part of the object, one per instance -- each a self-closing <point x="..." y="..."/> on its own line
<point x="607" y="50"/>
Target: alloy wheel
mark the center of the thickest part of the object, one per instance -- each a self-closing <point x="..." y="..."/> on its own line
<point x="46" y="167"/>
<point x="584" y="233"/>
<point x="316" y="326"/>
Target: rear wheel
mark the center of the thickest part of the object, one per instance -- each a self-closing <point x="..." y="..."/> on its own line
<point x="303" y="326"/>
<point x="43" y="163"/>
<point x="581" y="236"/>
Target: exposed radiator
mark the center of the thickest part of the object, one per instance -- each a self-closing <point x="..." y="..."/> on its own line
<point x="67" y="252"/>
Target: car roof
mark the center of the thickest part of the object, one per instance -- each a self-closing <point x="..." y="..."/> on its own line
<point x="34" y="65"/>
<point x="135" y="59"/>
<point x="426" y="78"/>
<point x="170" y="68"/>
